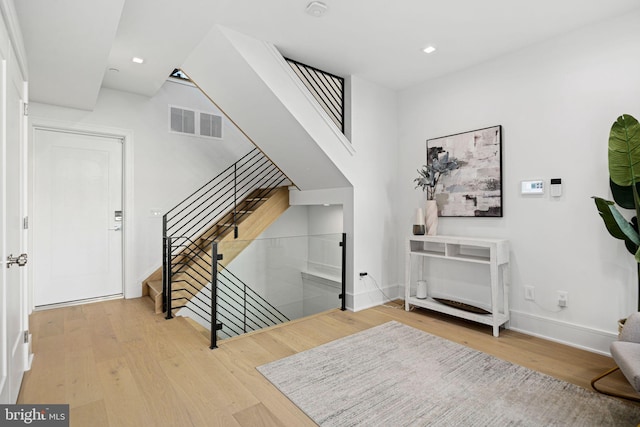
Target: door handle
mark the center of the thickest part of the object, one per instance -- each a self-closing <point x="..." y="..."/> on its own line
<point x="116" y="228"/>
<point x="21" y="260"/>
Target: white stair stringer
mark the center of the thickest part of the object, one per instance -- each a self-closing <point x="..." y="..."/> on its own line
<point x="253" y="85"/>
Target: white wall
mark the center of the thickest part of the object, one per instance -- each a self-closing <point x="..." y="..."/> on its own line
<point x="371" y="223"/>
<point x="167" y="166"/>
<point x="556" y="102"/>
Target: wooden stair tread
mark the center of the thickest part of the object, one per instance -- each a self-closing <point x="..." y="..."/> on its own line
<point x="154" y="290"/>
<point x="155" y="286"/>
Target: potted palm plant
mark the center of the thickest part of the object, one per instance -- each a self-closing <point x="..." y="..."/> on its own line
<point x="624" y="180"/>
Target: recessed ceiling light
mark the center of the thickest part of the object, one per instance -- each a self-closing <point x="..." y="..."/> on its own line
<point x="316" y="8"/>
<point x="429" y="49"/>
<point x="137" y="60"/>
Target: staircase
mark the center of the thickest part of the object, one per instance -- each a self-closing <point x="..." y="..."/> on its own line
<point x="244" y="76"/>
<point x="254" y="214"/>
<point x="230" y="211"/>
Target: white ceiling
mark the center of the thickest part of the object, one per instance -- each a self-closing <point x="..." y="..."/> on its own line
<point x="72" y="44"/>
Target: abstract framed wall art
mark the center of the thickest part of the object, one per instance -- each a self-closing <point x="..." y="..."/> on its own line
<point x="475" y="187"/>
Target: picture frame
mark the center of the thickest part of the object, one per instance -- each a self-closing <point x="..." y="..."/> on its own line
<point x="474" y="189"/>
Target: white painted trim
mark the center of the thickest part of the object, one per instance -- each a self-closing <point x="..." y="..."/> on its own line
<point x="372" y="297"/>
<point x="78" y="302"/>
<point x="24" y="239"/>
<point x="4" y="353"/>
<point x="131" y="289"/>
<point x="571" y="334"/>
<point x="305" y="92"/>
<point x="15" y="34"/>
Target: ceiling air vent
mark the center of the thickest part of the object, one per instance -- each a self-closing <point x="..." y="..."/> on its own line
<point x="194" y="122"/>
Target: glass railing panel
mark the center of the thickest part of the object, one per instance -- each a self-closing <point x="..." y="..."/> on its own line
<point x="266" y="278"/>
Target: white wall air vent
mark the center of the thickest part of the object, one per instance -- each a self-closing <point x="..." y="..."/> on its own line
<point x="194" y="122"/>
<point x="182" y="121"/>
<point x="211" y="125"/>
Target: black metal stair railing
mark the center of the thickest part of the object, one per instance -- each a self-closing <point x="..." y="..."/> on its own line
<point x="240" y="309"/>
<point x="219" y="298"/>
<point x="195" y="213"/>
<point x="229" y="301"/>
<point x="216" y="208"/>
<point x="326" y="88"/>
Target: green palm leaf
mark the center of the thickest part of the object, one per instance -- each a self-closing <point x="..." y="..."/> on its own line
<point x="624" y="180"/>
<point x="624" y="161"/>
<point x="618" y="226"/>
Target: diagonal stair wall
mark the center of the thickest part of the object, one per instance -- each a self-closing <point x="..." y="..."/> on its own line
<point x="251" y="82"/>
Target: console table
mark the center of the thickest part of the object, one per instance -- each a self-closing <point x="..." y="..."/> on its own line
<point x="494" y="253"/>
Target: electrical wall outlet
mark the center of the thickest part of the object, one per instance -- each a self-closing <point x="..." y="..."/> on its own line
<point x="563" y="297"/>
<point x="529" y="293"/>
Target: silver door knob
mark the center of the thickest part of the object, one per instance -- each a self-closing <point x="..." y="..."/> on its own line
<point x="116" y="228"/>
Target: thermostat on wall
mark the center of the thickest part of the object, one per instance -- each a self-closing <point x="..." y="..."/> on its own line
<point x="532" y="187"/>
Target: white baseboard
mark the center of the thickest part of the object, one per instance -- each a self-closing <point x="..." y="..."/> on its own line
<point x="574" y="335"/>
<point x="571" y="334"/>
<point x="594" y="340"/>
<point x="372" y="297"/>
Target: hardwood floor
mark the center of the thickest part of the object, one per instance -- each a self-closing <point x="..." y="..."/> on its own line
<point x="116" y="363"/>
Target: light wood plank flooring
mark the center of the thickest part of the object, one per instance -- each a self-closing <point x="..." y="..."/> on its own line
<point x="118" y="364"/>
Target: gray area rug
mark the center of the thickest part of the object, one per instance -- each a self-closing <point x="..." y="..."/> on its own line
<point x="396" y="375"/>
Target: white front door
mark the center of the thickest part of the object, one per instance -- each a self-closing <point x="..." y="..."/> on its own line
<point x="78" y="219"/>
<point x="13" y="317"/>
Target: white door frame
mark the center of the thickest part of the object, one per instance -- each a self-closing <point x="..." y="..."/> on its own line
<point x="130" y="287"/>
<point x="15" y="75"/>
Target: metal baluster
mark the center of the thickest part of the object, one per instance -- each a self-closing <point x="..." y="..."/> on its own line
<point x="164" y="262"/>
<point x="343" y="295"/>
<point x="244" y="303"/>
<point x="214" y="295"/>
<point x="168" y="273"/>
<point x="235" y="200"/>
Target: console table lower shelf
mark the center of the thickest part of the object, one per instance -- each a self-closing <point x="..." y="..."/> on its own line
<point x="493" y="319"/>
